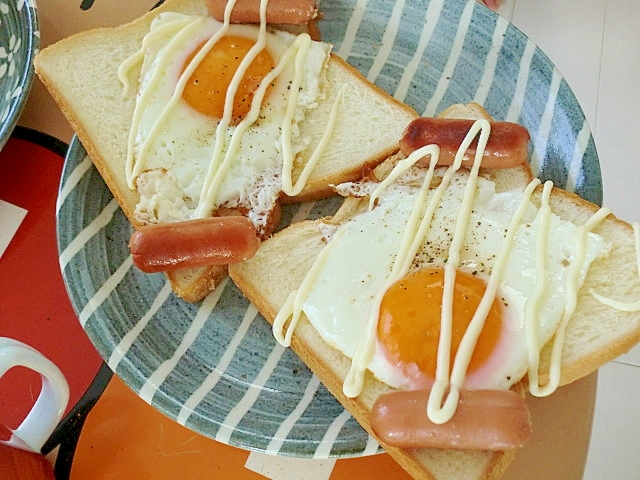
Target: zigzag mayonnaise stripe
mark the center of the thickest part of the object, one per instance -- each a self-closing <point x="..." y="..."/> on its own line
<point x="133" y="165"/>
<point x="572" y="286"/>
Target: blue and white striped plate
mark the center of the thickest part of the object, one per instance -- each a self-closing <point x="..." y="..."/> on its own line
<point x="214" y="366"/>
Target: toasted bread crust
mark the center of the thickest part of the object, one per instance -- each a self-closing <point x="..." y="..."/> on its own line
<point x="610" y="333"/>
<point x="80" y="73"/>
<point x="596" y="333"/>
<point x="303" y="239"/>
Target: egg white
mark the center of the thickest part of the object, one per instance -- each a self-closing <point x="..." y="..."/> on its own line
<point x="342" y="296"/>
<point x="183" y="144"/>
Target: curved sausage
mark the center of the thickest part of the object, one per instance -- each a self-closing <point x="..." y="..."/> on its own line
<point x="484" y="420"/>
<point x="193" y="243"/>
<point x="507" y="145"/>
<point x="287" y="12"/>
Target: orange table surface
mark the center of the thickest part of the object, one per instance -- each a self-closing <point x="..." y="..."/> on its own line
<point x="123" y="437"/>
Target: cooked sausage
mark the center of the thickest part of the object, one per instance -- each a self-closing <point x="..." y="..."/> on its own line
<point x="507" y="145"/>
<point x="484" y="420"/>
<point x="193" y="243"/>
<point x="287" y="12"/>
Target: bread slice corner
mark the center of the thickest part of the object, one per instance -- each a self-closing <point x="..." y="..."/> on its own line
<point x="81" y="74"/>
<point x="596" y="333"/>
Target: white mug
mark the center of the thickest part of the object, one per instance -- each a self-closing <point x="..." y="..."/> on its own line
<point x="51" y="403"/>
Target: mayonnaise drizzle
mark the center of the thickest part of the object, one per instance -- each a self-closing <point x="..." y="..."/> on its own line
<point x="167" y="29"/>
<point x="617" y="304"/>
<point x="533" y="305"/>
<point x="293" y="305"/>
<point x="216" y="171"/>
<point x="444" y="396"/>
<point x="292" y="309"/>
<point x="412" y="239"/>
<point x="413" y="236"/>
<point x="572" y="285"/>
<point x="288" y="186"/>
<point x="221" y="160"/>
<point x="133" y="165"/>
<point x="219" y="164"/>
<point x="410" y="243"/>
<point x="439" y="408"/>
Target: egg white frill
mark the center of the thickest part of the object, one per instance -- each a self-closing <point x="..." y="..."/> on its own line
<point x="176" y="146"/>
<point x="342" y="296"/>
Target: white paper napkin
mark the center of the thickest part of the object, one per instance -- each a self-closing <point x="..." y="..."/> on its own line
<point x="11" y="217"/>
<point x="283" y="468"/>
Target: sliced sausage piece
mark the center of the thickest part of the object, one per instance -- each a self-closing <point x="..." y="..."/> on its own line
<point x="193" y="243"/>
<point x="287" y="12"/>
<point x="507" y="145"/>
<point x="484" y="420"/>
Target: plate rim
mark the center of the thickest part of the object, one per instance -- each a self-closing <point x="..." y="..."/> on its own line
<point x="76" y="145"/>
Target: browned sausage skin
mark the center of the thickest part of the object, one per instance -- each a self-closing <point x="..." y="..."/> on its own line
<point x="484" y="420"/>
<point x="193" y="243"/>
<point x="507" y="145"/>
<point x="286" y="12"/>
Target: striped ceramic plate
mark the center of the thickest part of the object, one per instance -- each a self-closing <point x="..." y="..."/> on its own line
<point x="214" y="366"/>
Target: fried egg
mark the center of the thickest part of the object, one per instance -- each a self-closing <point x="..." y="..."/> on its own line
<point x="210" y="110"/>
<point x="392" y="326"/>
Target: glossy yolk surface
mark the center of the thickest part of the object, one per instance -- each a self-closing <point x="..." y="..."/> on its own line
<point x="409" y="322"/>
<point x="207" y="87"/>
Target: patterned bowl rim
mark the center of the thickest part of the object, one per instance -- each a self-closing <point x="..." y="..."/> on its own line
<point x="29" y="30"/>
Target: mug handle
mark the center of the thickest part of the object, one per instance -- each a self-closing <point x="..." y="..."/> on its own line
<point x="51" y="403"/>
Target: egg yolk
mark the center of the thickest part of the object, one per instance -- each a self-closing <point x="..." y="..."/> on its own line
<point x="207" y="87"/>
<point x="409" y="322"/>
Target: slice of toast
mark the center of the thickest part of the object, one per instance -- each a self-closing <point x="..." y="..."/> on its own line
<point x="81" y="74"/>
<point x="595" y="334"/>
<point x="278" y="268"/>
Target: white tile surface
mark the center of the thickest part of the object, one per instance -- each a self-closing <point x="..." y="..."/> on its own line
<point x="618" y="109"/>
<point x="596" y="46"/>
<point x="571" y="38"/>
<point x="631" y="358"/>
<point x="615" y="436"/>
